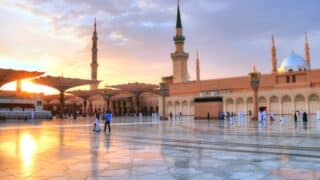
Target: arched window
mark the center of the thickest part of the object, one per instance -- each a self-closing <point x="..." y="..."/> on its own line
<point x="293" y="79"/>
<point x="288" y="79"/>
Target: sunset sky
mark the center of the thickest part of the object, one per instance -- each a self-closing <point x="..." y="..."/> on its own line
<point x="136" y="36"/>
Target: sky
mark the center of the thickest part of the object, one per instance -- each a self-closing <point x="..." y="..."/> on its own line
<point x="136" y="36"/>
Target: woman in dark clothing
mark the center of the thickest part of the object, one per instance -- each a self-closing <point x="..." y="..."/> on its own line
<point x="305" y="117"/>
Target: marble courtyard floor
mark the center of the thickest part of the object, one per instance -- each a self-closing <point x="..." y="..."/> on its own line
<point x="147" y="149"/>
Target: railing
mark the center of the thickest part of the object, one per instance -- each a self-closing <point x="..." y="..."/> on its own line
<point x="25" y="115"/>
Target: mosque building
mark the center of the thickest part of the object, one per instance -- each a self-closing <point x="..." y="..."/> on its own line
<point x="292" y="85"/>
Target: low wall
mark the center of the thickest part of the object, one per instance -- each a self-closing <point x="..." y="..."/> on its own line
<point x="25" y="114"/>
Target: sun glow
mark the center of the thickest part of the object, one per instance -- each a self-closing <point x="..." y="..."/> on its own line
<point x="28" y="86"/>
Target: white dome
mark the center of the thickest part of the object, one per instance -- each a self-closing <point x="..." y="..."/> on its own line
<point x="293" y="62"/>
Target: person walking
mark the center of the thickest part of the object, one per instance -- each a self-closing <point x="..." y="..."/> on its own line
<point x="282" y="119"/>
<point x="107" y="122"/>
<point x="305" y="117"/>
<point x="96" y="123"/>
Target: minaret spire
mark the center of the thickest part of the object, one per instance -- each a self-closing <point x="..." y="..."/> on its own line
<point x="179" y="38"/>
<point x="94" y="57"/>
<point x="198" y="66"/>
<point x="274" y="56"/>
<point x="179" y="23"/>
<point x="179" y="57"/>
<point x="307" y="50"/>
<point x="95" y="25"/>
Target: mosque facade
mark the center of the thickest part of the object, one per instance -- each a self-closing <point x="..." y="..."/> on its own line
<point x="292" y="85"/>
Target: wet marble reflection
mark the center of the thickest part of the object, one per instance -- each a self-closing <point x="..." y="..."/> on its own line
<point x="151" y="149"/>
<point x="27" y="149"/>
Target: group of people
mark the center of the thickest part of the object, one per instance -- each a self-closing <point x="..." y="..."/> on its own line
<point x="175" y="117"/>
<point x="264" y="115"/>
<point x="318" y="115"/>
<point x="300" y="115"/>
<point x="228" y="115"/>
<point x="107" y="117"/>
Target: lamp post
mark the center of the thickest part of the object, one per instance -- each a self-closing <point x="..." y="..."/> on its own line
<point x="254" y="79"/>
<point x="164" y="92"/>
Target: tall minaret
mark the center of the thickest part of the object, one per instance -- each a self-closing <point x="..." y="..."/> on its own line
<point x="274" y="56"/>
<point x="307" y="51"/>
<point x="94" y="62"/>
<point x="179" y="57"/>
<point x="198" y="67"/>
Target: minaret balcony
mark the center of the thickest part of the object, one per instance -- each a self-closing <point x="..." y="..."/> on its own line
<point x="178" y="55"/>
<point x="180" y="38"/>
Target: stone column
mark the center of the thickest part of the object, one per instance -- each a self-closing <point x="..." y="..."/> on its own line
<point x="224" y="105"/>
<point x="294" y="105"/>
<point x="245" y="106"/>
<point x="255" y="104"/>
<point x="268" y="104"/>
<point x="164" y="90"/>
<point x="61" y="110"/>
<point x="84" y="106"/>
<point x="18" y="86"/>
<point x="137" y="103"/>
<point x="254" y="78"/>
<point x="108" y="104"/>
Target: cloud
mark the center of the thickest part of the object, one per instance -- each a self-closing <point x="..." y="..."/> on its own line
<point x="118" y="38"/>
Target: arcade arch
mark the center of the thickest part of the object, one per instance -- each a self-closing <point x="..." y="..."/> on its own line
<point x="262" y="102"/>
<point x="240" y="107"/>
<point x="229" y="105"/>
<point x="275" y="105"/>
<point x="299" y="103"/>
<point x="286" y="105"/>
<point x="314" y="103"/>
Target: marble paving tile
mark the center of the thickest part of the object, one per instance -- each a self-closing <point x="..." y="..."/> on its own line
<point x="146" y="149"/>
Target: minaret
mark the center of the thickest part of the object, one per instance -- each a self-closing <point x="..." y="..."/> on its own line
<point x="179" y="57"/>
<point x="274" y="56"/>
<point x="94" y="50"/>
<point x="198" y="67"/>
<point x="307" y="51"/>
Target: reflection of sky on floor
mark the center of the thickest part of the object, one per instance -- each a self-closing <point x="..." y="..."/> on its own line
<point x="145" y="149"/>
